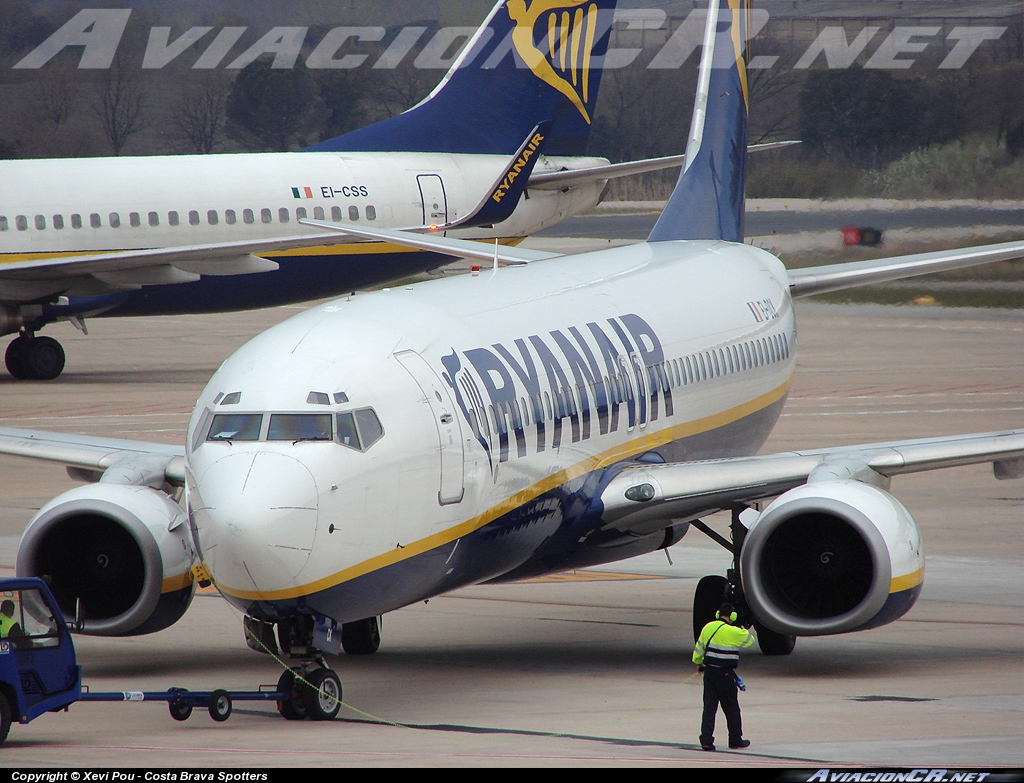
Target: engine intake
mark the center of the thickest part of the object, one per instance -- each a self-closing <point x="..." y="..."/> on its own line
<point x="120" y="551"/>
<point x="831" y="557"/>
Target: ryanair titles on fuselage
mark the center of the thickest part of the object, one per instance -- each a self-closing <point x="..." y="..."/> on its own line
<point x="612" y="371"/>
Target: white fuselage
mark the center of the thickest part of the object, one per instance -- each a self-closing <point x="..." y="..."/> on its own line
<point x="50" y="207"/>
<point x="501" y="400"/>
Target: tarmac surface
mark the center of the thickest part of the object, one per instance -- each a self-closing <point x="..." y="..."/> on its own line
<point x="589" y="669"/>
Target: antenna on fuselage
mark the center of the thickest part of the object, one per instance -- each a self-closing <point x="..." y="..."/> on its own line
<point x="495" y="271"/>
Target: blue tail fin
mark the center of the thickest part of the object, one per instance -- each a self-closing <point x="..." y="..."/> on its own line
<point x="708" y="201"/>
<point x="530" y="61"/>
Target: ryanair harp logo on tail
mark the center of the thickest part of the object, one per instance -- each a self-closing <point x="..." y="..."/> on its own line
<point x="568" y="30"/>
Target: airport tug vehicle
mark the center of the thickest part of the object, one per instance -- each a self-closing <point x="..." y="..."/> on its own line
<point x="39" y="672"/>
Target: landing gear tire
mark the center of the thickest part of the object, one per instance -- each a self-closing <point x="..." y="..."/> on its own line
<point x="5" y="718"/>
<point x="707" y="599"/>
<point x="293" y="707"/>
<point x="179" y="710"/>
<point x="34" y="358"/>
<point x="219" y="705"/>
<point x="322" y="696"/>
<point x="14" y="358"/>
<point x="772" y="642"/>
<point x="361" y="637"/>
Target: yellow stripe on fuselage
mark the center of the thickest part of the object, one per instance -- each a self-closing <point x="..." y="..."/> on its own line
<point x="598" y="461"/>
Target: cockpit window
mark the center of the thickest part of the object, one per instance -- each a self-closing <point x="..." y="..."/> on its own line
<point x="347" y="433"/>
<point x="370" y="429"/>
<point x="359" y="429"/>
<point x="236" y="426"/>
<point x="300" y="426"/>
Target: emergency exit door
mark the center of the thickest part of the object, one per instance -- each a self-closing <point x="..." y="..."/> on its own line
<point x="435" y="203"/>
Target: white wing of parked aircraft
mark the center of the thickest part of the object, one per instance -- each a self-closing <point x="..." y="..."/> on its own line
<point x="375" y="451"/>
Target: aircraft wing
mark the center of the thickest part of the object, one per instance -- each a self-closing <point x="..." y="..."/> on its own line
<point x="556" y="180"/>
<point x="436" y="243"/>
<point x="642" y="499"/>
<point x="163" y="265"/>
<point x="94" y="458"/>
<point x="835" y="277"/>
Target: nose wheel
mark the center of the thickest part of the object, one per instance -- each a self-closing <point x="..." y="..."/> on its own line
<point x="315" y="694"/>
<point x="31" y="358"/>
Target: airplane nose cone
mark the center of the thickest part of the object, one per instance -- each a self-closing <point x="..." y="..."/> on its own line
<point x="257" y="517"/>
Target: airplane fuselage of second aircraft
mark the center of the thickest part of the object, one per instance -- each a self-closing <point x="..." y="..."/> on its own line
<point x="384" y="448"/>
<point x="53" y="208"/>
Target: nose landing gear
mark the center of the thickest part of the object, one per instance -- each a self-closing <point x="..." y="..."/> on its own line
<point x="316" y="694"/>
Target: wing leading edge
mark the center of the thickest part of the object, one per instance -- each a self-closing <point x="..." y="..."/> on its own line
<point x="641" y="499"/>
<point x="108" y="460"/>
<point x="836" y="277"/>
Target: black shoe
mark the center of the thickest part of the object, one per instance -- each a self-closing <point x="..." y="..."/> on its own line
<point x="707" y="746"/>
<point x="742" y="743"/>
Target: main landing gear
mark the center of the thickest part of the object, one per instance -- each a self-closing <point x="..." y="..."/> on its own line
<point x="33" y="358"/>
<point x="712" y="591"/>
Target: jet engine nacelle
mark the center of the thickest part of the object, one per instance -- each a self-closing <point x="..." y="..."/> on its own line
<point x="831" y="557"/>
<point x="122" y="551"/>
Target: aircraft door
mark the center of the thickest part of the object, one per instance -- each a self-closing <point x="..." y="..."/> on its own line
<point x="449" y="430"/>
<point x="435" y="202"/>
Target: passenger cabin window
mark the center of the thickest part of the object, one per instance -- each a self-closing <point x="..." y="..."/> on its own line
<point x="134" y="220"/>
<point x="115" y="220"/>
<point x="193" y="218"/>
<point x="95" y="220"/>
<point x="76" y="221"/>
<point x="40" y="222"/>
<point x="371" y="213"/>
<point x="212" y="217"/>
<point x="300" y="213"/>
<point x="336" y="214"/>
<point x="359" y="429"/>
<point x="283" y="215"/>
<point x="173" y="219"/>
<point x="229" y="217"/>
<point x="58" y="222"/>
<point x="353" y="213"/>
<point x="21" y="222"/>
<point x="154" y="219"/>
<point x="266" y="216"/>
<point x="3" y="223"/>
<point x="248" y="217"/>
<point x="300" y="426"/>
<point x="236" y="426"/>
<point x="318" y="213"/>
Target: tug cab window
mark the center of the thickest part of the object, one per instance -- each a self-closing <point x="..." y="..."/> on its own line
<point x="300" y="426"/>
<point x="359" y="429"/>
<point x="29" y="621"/>
<point x="236" y="426"/>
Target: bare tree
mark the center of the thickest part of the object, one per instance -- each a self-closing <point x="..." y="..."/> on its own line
<point x="120" y="103"/>
<point x="200" y="112"/>
<point x="55" y="94"/>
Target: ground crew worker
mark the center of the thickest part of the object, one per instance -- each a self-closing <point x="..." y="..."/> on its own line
<point x="716" y="654"/>
<point x="8" y="625"/>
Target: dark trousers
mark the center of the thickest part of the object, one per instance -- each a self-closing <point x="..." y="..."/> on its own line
<point x="720" y="688"/>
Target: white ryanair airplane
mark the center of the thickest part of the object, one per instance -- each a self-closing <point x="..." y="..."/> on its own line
<point x="381" y="449"/>
<point x="164" y="235"/>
